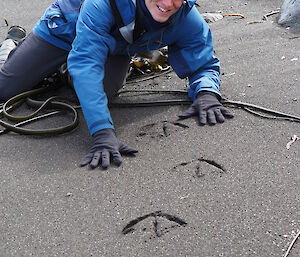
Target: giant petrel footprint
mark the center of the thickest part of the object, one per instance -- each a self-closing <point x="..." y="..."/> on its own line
<point x="161" y="129"/>
<point x="201" y="168"/>
<point x="155" y="224"/>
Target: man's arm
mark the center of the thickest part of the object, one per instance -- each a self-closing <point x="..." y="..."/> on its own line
<point x="87" y="59"/>
<point x="86" y="62"/>
<point x="192" y="56"/>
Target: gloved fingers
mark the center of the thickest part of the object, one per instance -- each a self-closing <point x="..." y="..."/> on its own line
<point x="86" y="160"/>
<point x="191" y="111"/>
<point x="96" y="159"/>
<point x="219" y="116"/>
<point x="117" y="158"/>
<point x="211" y="117"/>
<point x="227" y="113"/>
<point x="202" y="118"/>
<point x="105" y="159"/>
<point x="127" y="150"/>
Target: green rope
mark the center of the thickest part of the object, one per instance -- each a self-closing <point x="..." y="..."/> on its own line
<point x="50" y="103"/>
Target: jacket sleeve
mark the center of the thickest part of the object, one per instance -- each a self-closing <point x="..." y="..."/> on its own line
<point x="192" y="55"/>
<point x="86" y="61"/>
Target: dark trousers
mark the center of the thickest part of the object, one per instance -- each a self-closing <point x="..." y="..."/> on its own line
<point x="34" y="59"/>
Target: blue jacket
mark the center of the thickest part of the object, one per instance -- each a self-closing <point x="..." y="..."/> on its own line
<point x="88" y="30"/>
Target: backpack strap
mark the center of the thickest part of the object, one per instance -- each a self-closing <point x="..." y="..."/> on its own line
<point x="140" y="22"/>
<point x="125" y="30"/>
<point x="116" y="13"/>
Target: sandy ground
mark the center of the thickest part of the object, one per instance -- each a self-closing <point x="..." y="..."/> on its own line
<point x="227" y="190"/>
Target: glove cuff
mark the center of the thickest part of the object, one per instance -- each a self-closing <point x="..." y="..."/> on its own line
<point x="104" y="132"/>
<point x="201" y="93"/>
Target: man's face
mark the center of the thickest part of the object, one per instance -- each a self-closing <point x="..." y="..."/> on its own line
<point x="162" y="10"/>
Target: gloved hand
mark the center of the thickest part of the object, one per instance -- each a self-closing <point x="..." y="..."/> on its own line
<point x="106" y="146"/>
<point x="208" y="108"/>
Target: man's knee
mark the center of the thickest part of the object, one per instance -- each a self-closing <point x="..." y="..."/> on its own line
<point x="4" y="96"/>
<point x="5" y="92"/>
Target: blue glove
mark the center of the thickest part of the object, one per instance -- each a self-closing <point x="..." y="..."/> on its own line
<point x="208" y="108"/>
<point x="106" y="146"/>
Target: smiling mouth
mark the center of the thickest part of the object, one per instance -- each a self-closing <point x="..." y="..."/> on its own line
<point x="162" y="9"/>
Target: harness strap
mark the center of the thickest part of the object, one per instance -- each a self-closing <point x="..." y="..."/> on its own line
<point x="140" y="21"/>
<point x="135" y="29"/>
<point x="117" y="14"/>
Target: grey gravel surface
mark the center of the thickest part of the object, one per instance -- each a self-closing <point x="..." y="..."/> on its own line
<point x="227" y="190"/>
